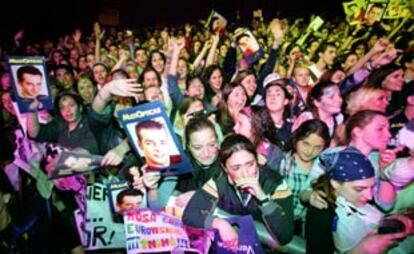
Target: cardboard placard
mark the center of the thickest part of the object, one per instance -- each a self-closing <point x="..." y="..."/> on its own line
<point x="216" y="23"/>
<point x="122" y="197"/>
<point x="151" y="134"/>
<point x="98" y="230"/>
<point x="147" y="231"/>
<point x="354" y="11"/>
<point x="249" y="45"/>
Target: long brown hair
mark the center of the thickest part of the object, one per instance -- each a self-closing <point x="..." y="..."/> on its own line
<point x="323" y="184"/>
<point x="359" y="119"/>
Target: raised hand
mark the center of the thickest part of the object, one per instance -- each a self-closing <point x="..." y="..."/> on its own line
<point x="278" y="29"/>
<point x="187" y="28"/>
<point x="97" y="30"/>
<point x="77" y="35"/>
<point x="179" y="43"/>
<point x="381" y="45"/>
<point x="388" y="156"/>
<point x="123" y="87"/>
<point x="251" y="185"/>
<point x="386" y="57"/>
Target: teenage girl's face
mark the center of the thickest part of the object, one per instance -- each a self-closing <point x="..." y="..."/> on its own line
<point x="216" y="80"/>
<point x="301" y="76"/>
<point x="237" y="99"/>
<point x="309" y="148"/>
<point x="394" y="81"/>
<point x="249" y="83"/>
<point x="243" y="126"/>
<point x="378" y="101"/>
<point x="100" y="74"/>
<point x="86" y="90"/>
<point x="203" y="146"/>
<point x="196" y="89"/>
<point x="296" y="53"/>
<point x="375" y="134"/>
<point x="182" y="68"/>
<point x="276" y="99"/>
<point x="350" y="61"/>
<point x="69" y="109"/>
<point x="157" y="63"/>
<point x="358" y="192"/>
<point x="241" y="164"/>
<point x="330" y="101"/>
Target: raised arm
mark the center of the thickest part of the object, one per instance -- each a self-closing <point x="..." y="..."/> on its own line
<point x="32" y="124"/>
<point x="202" y="54"/>
<point x="119" y="87"/>
<point x="175" y="93"/>
<point x="124" y="55"/>
<point x="98" y="36"/>
<point x="379" y="46"/>
<point x="76" y="37"/>
<point x="177" y="45"/>
<point x="211" y="53"/>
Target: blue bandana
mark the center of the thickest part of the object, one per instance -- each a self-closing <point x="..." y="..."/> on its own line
<point x="347" y="165"/>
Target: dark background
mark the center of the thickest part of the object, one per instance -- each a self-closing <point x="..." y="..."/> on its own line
<point x="49" y="20"/>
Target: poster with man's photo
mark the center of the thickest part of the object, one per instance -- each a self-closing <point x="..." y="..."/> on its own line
<point x="123" y="197"/>
<point x="397" y="9"/>
<point x="151" y="134"/>
<point x="216" y="23"/>
<point x="30" y="83"/>
<point x="354" y="11"/>
<point x="248" y="44"/>
<point x="375" y="10"/>
<point x="75" y="162"/>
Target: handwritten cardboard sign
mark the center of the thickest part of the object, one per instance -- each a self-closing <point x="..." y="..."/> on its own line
<point x="147" y="231"/>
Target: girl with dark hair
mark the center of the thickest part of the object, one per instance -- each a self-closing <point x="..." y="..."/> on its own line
<point x="389" y="77"/>
<point x="72" y="129"/>
<point x="277" y="102"/>
<point x="325" y="101"/>
<point x="233" y="101"/>
<point x="247" y="78"/>
<point x="194" y="86"/>
<point x="213" y="77"/>
<point x="202" y="145"/>
<point x="157" y="60"/>
<point x="252" y="122"/>
<point x="306" y="143"/>
<point x="242" y="188"/>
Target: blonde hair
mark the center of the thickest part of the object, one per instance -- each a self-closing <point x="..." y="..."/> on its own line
<point x="360" y="99"/>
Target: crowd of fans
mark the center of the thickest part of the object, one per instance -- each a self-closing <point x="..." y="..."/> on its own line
<point x="304" y="138"/>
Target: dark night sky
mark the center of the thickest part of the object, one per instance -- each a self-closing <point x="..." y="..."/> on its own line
<point x="48" y="20"/>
